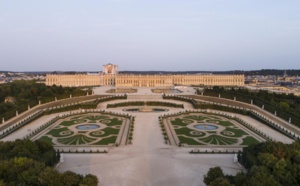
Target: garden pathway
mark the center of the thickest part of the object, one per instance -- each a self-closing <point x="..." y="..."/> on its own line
<point x="148" y="161"/>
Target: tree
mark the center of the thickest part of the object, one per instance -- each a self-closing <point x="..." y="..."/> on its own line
<point x="24" y="162"/>
<point x="30" y="176"/>
<point x="261" y="176"/>
<point x="240" y="178"/>
<point x="89" y="180"/>
<point x="221" y="181"/>
<point x="213" y="174"/>
<point x="20" y="170"/>
<point x="70" y="178"/>
<point x="268" y="160"/>
<point x="49" y="176"/>
<point x="268" y="163"/>
<point x="284" y="105"/>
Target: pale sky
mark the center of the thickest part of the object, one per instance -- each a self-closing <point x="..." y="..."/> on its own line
<point x="170" y="35"/>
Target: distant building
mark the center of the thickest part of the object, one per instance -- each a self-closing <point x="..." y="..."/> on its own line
<point x="110" y="69"/>
<point x="111" y="76"/>
<point x="285" y="78"/>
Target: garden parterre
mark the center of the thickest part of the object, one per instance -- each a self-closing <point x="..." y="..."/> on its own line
<point x="208" y="129"/>
<point x="85" y="129"/>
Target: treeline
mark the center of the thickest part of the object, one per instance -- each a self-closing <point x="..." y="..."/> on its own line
<point x="24" y="162"/>
<point x="286" y="105"/>
<point x="24" y="93"/>
<point x="267" y="164"/>
<point x="182" y="72"/>
<point x="265" y="72"/>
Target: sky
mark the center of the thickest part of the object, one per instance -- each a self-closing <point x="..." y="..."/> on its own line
<point x="142" y="35"/>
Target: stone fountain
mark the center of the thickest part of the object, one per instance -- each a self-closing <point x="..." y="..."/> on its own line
<point x="145" y="108"/>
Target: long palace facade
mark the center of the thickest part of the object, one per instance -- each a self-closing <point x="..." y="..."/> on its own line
<point x="110" y="76"/>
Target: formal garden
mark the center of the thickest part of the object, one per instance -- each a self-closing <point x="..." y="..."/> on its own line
<point x="85" y="129"/>
<point x="209" y="129"/>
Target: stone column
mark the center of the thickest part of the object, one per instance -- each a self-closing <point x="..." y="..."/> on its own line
<point x="28" y="107"/>
<point x="17" y="113"/>
<point x="3" y="120"/>
<point x="55" y="99"/>
<point x="219" y="95"/>
<point x="251" y="102"/>
<point x="290" y="120"/>
<point x="234" y="99"/>
<point x="263" y="107"/>
<point x="39" y="102"/>
<point x="275" y="113"/>
<point x="70" y="95"/>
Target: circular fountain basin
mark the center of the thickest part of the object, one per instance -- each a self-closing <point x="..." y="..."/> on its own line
<point x="87" y="127"/>
<point x="145" y="109"/>
<point x="206" y="126"/>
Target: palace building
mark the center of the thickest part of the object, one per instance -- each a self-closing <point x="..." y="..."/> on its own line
<point x="111" y="76"/>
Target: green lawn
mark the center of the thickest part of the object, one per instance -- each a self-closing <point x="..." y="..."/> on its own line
<point x="114" y="121"/>
<point x="47" y="139"/>
<point x="57" y="132"/>
<point x="220" y="122"/>
<point x="249" y="140"/>
<point x="76" y="140"/>
<point x="196" y="117"/>
<point x="106" y="141"/>
<point x="219" y="140"/>
<point x="188" y="141"/>
<point x="187" y="132"/>
<point x="70" y="123"/>
<point x="181" y="122"/>
<point x="237" y="132"/>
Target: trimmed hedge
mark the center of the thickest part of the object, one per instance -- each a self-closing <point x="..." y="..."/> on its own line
<point x="87" y="105"/>
<point x="142" y="103"/>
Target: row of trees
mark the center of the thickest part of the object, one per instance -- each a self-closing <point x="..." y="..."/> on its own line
<point x="264" y="72"/>
<point x="26" y="93"/>
<point x="286" y="105"/>
<point x="37" y="150"/>
<point x="269" y="163"/>
<point x="24" y="162"/>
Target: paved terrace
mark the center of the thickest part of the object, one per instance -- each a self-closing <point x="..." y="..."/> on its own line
<point x="148" y="161"/>
<point x="151" y="162"/>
